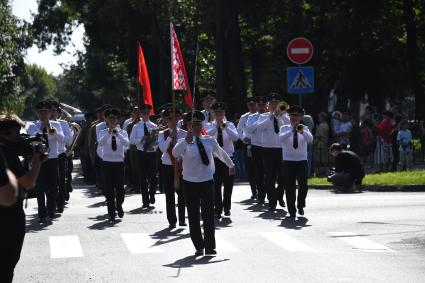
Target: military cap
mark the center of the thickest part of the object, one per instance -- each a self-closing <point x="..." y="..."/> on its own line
<point x="295" y="110"/>
<point x="112" y="112"/>
<point x="251" y="100"/>
<point x="43" y="105"/>
<point x="261" y="99"/>
<point x="274" y="97"/>
<point x="219" y="106"/>
<point x="145" y="107"/>
<point x="105" y="107"/>
<point x="198" y="116"/>
<point x="165" y="106"/>
<point x="168" y="112"/>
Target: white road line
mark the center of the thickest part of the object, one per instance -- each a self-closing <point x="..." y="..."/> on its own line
<point x="300" y="50"/>
<point x="224" y="246"/>
<point x="65" y="246"/>
<point x="360" y="242"/>
<point x="140" y="243"/>
<point x="287" y="242"/>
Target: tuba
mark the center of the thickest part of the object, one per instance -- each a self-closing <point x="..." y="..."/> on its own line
<point x="282" y="107"/>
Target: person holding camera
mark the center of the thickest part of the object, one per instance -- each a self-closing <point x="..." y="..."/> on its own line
<point x="47" y="183"/>
<point x="348" y="170"/>
<point x="12" y="216"/>
<point x="113" y="142"/>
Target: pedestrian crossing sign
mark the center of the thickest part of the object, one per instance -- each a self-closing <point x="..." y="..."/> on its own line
<point x="300" y="80"/>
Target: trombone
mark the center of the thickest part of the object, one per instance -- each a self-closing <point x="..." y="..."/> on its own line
<point x="282" y="107"/>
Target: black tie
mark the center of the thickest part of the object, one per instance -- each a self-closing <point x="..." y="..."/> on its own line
<point x="145" y="130"/>
<point x="202" y="152"/>
<point x="114" y="143"/>
<point x="295" y="143"/>
<point x="276" y="125"/>
<point x="46" y="137"/>
<point x="220" y="136"/>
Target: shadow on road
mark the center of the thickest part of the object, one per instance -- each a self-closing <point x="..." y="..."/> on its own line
<point x="98" y="204"/>
<point x="295" y="223"/>
<point x="102" y="222"/>
<point x="166" y="236"/>
<point x="191" y="261"/>
<point x="223" y="222"/>
<point x="33" y="226"/>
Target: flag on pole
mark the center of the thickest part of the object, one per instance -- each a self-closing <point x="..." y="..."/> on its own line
<point x="178" y="70"/>
<point x="143" y="78"/>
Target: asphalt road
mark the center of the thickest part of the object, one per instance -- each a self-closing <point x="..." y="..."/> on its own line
<point x="363" y="237"/>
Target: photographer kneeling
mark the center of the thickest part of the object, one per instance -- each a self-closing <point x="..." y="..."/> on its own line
<point x="12" y="216"/>
<point x="348" y="171"/>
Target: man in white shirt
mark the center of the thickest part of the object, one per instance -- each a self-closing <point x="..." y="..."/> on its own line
<point x="243" y="136"/>
<point x="197" y="153"/>
<point x="252" y="136"/>
<point x="63" y="194"/>
<point x="113" y="141"/>
<point x="47" y="181"/>
<point x="170" y="166"/>
<point x="133" y="162"/>
<point x="225" y="134"/>
<point x="207" y="99"/>
<point x="294" y="139"/>
<point x="145" y="137"/>
<point x="269" y="125"/>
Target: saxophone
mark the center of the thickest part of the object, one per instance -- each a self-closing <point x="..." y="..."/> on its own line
<point x="150" y="140"/>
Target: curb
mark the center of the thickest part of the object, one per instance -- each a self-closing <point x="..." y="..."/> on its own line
<point x="379" y="188"/>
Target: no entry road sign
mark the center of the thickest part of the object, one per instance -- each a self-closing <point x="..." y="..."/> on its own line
<point x="300" y="50"/>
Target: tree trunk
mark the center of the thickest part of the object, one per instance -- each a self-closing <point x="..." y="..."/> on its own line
<point x="219" y="50"/>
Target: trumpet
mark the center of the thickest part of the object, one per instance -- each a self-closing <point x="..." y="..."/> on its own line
<point x="299" y="128"/>
<point x="223" y="125"/>
<point x="52" y="130"/>
<point x="114" y="132"/>
<point x="282" y="107"/>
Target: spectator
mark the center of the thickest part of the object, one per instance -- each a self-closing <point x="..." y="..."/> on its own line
<point x="404" y="141"/>
<point x="397" y="117"/>
<point x="368" y="141"/>
<point x="321" y="142"/>
<point x="343" y="132"/>
<point x="384" y="153"/>
<point x="335" y="122"/>
<point x="309" y="122"/>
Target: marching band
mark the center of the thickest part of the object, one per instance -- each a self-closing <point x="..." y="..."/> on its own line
<point x="188" y="155"/>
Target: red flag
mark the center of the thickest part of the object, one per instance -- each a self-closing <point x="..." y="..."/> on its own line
<point x="178" y="70"/>
<point x="144" y="78"/>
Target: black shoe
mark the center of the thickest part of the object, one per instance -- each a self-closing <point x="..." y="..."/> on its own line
<point x="120" y="212"/>
<point x="227" y="213"/>
<point x="301" y="211"/>
<point x="51" y="215"/>
<point x="183" y="224"/>
<point x="199" y="252"/>
<point x="261" y="201"/>
<point x="111" y="218"/>
<point x="218" y="215"/>
<point x="152" y="199"/>
<point x="145" y="205"/>
<point x="172" y="226"/>
<point x="66" y="197"/>
<point x="253" y="197"/>
<point x="272" y="208"/>
<point x="292" y="215"/>
<point x="209" y="252"/>
<point x="60" y="209"/>
<point x="282" y="203"/>
<point x="42" y="220"/>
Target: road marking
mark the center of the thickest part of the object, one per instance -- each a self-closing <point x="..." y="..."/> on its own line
<point x="287" y="242"/>
<point x="140" y="243"/>
<point x="360" y="242"/>
<point x="224" y="246"/>
<point x="300" y="50"/>
<point x="65" y="246"/>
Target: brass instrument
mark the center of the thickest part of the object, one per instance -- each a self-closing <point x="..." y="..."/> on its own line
<point x="300" y="128"/>
<point x="282" y="107"/>
<point x="114" y="132"/>
<point x="223" y="125"/>
<point x="150" y="140"/>
<point x="77" y="132"/>
<point x="52" y="130"/>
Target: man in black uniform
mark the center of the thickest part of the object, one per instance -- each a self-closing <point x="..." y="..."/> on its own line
<point x="12" y="216"/>
<point x="349" y="170"/>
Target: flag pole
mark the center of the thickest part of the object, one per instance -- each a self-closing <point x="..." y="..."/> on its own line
<point x="138" y="74"/>
<point x="194" y="75"/>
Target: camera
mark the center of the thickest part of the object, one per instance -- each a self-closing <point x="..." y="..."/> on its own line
<point x="25" y="145"/>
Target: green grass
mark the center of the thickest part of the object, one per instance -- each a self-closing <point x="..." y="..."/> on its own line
<point x="384" y="179"/>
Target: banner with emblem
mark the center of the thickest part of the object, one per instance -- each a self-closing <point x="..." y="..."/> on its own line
<point x="178" y="70"/>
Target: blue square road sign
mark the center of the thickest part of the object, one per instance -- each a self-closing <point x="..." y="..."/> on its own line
<point x="300" y="80"/>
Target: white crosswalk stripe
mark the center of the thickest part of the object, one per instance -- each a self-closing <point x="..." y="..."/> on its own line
<point x="287" y="242"/>
<point x="360" y="242"/>
<point x="65" y="247"/>
<point x="140" y="243"/>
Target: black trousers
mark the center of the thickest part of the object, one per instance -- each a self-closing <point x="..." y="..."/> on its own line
<point x="11" y="241"/>
<point x="147" y="175"/>
<point x="200" y="196"/>
<point x="170" y="199"/>
<point x="257" y="160"/>
<point x="295" y="171"/>
<point x="249" y="167"/>
<point x="61" y="180"/>
<point x="223" y="198"/>
<point x="47" y="187"/>
<point x="113" y="174"/>
<point x="272" y="160"/>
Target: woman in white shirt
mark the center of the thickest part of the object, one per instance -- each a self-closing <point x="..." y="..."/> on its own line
<point x="114" y="141"/>
<point x="294" y="138"/>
